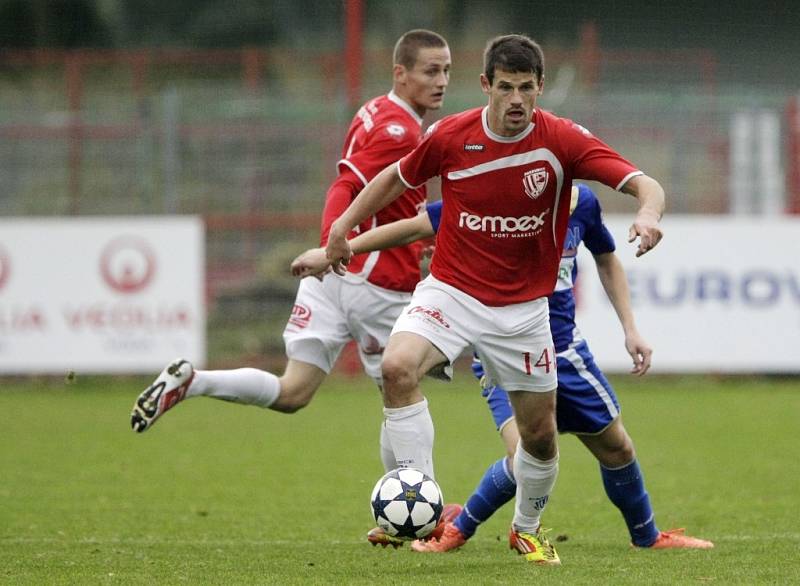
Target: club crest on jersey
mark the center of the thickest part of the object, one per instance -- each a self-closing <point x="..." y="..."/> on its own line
<point x="535" y="182"/>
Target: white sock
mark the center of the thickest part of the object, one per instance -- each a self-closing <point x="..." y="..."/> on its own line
<point x="535" y="481"/>
<point x="248" y="386"/>
<point x="387" y="455"/>
<point x="410" y="433"/>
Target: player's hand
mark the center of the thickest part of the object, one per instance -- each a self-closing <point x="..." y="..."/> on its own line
<point x="640" y="351"/>
<point x="427" y="252"/>
<point x="645" y="227"/>
<point x="338" y="251"/>
<point x="311" y="263"/>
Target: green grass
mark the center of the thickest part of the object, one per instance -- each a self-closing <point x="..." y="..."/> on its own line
<point x="220" y="494"/>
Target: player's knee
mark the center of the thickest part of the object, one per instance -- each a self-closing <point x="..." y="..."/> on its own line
<point x="619" y="453"/>
<point x="626" y="453"/>
<point x="539" y="439"/>
<point x="399" y="375"/>
<point x="287" y="407"/>
<point x="293" y="397"/>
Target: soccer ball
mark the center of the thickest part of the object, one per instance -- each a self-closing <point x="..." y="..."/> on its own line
<point x="406" y="503"/>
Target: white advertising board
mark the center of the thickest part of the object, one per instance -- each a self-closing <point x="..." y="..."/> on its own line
<point x="101" y="294"/>
<point x="718" y="294"/>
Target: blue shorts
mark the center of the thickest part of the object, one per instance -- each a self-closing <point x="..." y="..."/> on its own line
<point x="585" y="401"/>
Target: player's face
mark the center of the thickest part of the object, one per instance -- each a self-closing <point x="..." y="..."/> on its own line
<point x="423" y="85"/>
<point x="512" y="98"/>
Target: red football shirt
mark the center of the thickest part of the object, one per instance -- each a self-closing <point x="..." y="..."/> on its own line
<point x="506" y="199"/>
<point x="382" y="131"/>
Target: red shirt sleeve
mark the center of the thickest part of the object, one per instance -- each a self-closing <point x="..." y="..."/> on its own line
<point x="595" y="160"/>
<point x="385" y="145"/>
<point x="425" y="160"/>
<point x="340" y="195"/>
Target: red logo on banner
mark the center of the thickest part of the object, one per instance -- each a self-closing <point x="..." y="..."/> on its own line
<point x="127" y="264"/>
<point x="5" y="267"/>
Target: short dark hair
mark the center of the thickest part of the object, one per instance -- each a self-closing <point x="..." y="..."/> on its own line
<point x="514" y="54"/>
<point x="407" y="47"/>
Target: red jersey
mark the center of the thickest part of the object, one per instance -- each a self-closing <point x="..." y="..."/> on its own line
<point x="506" y="199"/>
<point x="382" y="131"/>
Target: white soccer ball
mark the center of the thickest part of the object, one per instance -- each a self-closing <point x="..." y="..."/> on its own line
<point x="406" y="503"/>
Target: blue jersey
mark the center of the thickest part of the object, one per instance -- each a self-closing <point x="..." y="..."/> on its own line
<point x="585" y="225"/>
<point x="586" y="401"/>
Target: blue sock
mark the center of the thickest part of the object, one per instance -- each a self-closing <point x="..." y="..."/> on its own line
<point x="496" y="488"/>
<point x="625" y="487"/>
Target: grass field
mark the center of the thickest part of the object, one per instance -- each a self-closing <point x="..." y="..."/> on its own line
<point x="219" y="494"/>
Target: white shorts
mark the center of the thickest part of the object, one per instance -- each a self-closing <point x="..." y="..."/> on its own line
<point x="328" y="314"/>
<point x="513" y="341"/>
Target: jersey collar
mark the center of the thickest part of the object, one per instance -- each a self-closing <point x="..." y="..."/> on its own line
<point x="405" y="106"/>
<point x="497" y="137"/>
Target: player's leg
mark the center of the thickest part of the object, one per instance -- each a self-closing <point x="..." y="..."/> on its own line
<point x="429" y="334"/>
<point x="588" y="407"/>
<point x="371" y="315"/>
<point x="163" y="394"/>
<point x="246" y="386"/>
<point x="408" y="424"/>
<point x="536" y="458"/>
<point x="297" y="386"/>
<point x="496" y="488"/>
<point x="521" y="359"/>
<point x="288" y="393"/>
<point x="179" y="380"/>
<point x="623" y="481"/>
<point x="407" y="430"/>
<point x="313" y="342"/>
<point x="535" y="469"/>
<point x="624" y="484"/>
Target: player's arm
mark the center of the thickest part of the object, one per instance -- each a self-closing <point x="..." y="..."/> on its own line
<point x="615" y="283"/>
<point x="651" y="207"/>
<point x="596" y="160"/>
<point x="380" y="192"/>
<point x="313" y="262"/>
<point x="339" y="196"/>
<point x="397" y="233"/>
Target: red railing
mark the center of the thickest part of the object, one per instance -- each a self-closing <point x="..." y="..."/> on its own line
<point x="793" y="155"/>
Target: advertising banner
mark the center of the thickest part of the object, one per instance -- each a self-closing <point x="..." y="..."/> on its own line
<point x="718" y="295"/>
<point x="101" y="294"/>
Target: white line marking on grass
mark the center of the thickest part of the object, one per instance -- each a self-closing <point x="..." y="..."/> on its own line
<point x="787" y="536"/>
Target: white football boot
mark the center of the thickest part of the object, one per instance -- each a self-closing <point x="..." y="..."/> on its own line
<point x="167" y="390"/>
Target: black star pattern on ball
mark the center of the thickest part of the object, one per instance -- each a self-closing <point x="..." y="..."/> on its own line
<point x="410" y="494"/>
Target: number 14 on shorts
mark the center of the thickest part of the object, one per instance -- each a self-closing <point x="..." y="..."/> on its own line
<point x="544" y="361"/>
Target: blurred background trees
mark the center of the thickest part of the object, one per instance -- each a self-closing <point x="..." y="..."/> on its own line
<point x="755" y="42"/>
